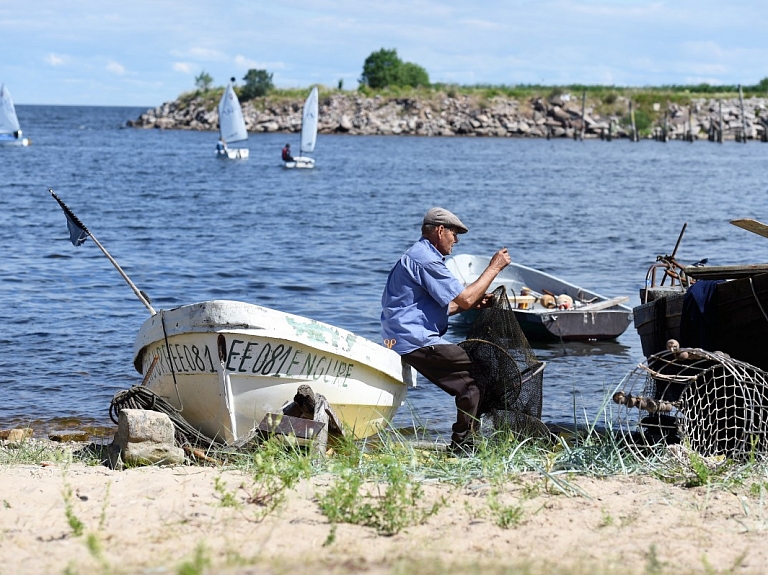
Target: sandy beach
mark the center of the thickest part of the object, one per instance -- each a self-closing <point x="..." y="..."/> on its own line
<point x="58" y="517"/>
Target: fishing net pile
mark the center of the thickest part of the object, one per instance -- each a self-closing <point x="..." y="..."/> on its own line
<point x="706" y="401"/>
<point x="505" y="369"/>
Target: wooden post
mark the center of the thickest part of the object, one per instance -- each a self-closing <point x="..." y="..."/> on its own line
<point x="583" y="108"/>
<point x="666" y="124"/>
<point x="690" y="123"/>
<point x="743" y="118"/>
<point x="610" y="129"/>
<point x="720" y="132"/>
<point x="632" y="119"/>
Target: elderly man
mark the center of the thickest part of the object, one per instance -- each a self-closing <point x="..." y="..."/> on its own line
<point x="419" y="296"/>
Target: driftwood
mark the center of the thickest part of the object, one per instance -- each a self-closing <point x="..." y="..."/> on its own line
<point x="307" y="404"/>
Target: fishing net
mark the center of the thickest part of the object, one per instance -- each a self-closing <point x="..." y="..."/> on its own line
<point x="706" y="401"/>
<point x="505" y="369"/>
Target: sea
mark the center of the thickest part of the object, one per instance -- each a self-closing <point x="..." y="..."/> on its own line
<point x="188" y="227"/>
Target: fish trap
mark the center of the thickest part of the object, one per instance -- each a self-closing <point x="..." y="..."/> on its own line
<point x="707" y="401"/>
<point x="506" y="370"/>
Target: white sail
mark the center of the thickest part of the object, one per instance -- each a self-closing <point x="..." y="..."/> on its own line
<point x="231" y="122"/>
<point x="9" y="123"/>
<point x="309" y="122"/>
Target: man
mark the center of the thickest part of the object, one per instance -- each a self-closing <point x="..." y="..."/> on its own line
<point x="287" y="153"/>
<point x="419" y="296"/>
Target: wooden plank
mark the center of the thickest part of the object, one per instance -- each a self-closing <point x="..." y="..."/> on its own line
<point x="725" y="272"/>
<point x="753" y="226"/>
<point x="598" y="305"/>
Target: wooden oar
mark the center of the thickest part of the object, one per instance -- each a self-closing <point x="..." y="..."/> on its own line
<point x="605" y="304"/>
<point x="753" y="226"/>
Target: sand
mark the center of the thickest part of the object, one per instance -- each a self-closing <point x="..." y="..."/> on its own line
<point x="164" y="519"/>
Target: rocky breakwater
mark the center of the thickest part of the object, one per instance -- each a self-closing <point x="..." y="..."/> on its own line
<point x="453" y="115"/>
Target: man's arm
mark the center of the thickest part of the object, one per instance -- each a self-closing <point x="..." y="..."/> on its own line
<point x="474" y="292"/>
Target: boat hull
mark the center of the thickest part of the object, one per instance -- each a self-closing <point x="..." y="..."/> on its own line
<point x="225" y="365"/>
<point x="301" y="163"/>
<point x="538" y="322"/>
<point x="10" y="140"/>
<point x="658" y="321"/>
<point x="233" y="154"/>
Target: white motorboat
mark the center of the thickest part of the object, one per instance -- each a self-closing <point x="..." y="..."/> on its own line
<point x="231" y="126"/>
<point x="547" y="307"/>
<point x="226" y="364"/>
<point x="10" y="130"/>
<point x="308" y="133"/>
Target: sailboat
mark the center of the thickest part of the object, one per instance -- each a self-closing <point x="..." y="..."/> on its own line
<point x="308" y="133"/>
<point x="231" y="126"/>
<point x="10" y="130"/>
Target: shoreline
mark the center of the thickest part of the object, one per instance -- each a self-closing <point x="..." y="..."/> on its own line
<point x="62" y="515"/>
<point x="462" y="115"/>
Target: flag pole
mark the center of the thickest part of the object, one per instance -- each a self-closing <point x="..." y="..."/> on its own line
<point x="73" y="220"/>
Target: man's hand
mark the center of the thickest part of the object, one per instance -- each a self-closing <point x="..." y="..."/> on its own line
<point x="500" y="260"/>
<point x="486" y="301"/>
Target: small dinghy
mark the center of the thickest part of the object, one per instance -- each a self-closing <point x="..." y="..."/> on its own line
<point x="226" y="364"/>
<point x="547" y="307"/>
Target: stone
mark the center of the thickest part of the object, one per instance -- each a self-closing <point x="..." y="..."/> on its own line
<point x="145" y="438"/>
<point x="64" y="436"/>
<point x="16" y="435"/>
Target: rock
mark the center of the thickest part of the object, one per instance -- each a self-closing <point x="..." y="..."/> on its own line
<point x="144" y="438"/>
<point x="68" y="435"/>
<point x="16" y="435"/>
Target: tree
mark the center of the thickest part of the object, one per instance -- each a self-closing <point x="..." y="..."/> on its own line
<point x="257" y="84"/>
<point x="413" y="75"/>
<point x="203" y="81"/>
<point x="385" y="68"/>
<point x="381" y="69"/>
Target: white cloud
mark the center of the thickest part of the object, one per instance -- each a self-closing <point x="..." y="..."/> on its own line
<point x="115" y="68"/>
<point x="55" y="59"/>
<point x="183" y="67"/>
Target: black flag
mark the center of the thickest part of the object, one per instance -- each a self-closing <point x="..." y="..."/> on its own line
<point x="78" y="233"/>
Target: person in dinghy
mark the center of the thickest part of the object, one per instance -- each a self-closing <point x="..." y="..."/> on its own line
<point x="221" y="146"/>
<point x="287" y="157"/>
<point x="419" y="295"/>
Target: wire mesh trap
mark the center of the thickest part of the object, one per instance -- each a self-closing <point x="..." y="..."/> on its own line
<point x="707" y="401"/>
<point x="506" y="370"/>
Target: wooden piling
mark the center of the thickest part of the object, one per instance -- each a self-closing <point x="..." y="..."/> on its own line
<point x="583" y="112"/>
<point x="720" y="131"/>
<point x="743" y="117"/>
<point x="632" y="118"/>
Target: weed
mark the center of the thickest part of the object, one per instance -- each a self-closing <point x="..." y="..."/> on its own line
<point x="607" y="519"/>
<point x="388" y="506"/>
<point x="653" y="565"/>
<point x="504" y="516"/>
<point x="275" y="469"/>
<point x="226" y="498"/>
<point x="74" y="523"/>
<point x="198" y="563"/>
<point x="103" y="516"/>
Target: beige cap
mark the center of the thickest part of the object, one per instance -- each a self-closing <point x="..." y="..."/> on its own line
<point x="442" y="217"/>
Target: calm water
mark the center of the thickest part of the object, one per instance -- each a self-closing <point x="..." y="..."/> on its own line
<point x="187" y="227"/>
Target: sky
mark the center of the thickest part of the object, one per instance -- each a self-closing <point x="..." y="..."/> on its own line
<point x="146" y="52"/>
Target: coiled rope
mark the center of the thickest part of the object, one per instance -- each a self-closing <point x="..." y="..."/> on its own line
<point x="139" y="397"/>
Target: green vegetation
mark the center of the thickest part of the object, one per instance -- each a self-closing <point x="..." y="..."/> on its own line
<point x="258" y="83"/>
<point x="385" y="68"/>
<point x="203" y="81"/>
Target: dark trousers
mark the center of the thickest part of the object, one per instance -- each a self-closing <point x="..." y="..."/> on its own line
<point x="448" y="367"/>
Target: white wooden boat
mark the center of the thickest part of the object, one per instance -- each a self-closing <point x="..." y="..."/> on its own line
<point x="231" y="125"/>
<point x="586" y="316"/>
<point x="308" y="133"/>
<point x="10" y="130"/>
<point x="225" y="364"/>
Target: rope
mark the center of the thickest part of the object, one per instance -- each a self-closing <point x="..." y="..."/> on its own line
<point x="138" y="397"/>
<point x="754" y="293"/>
